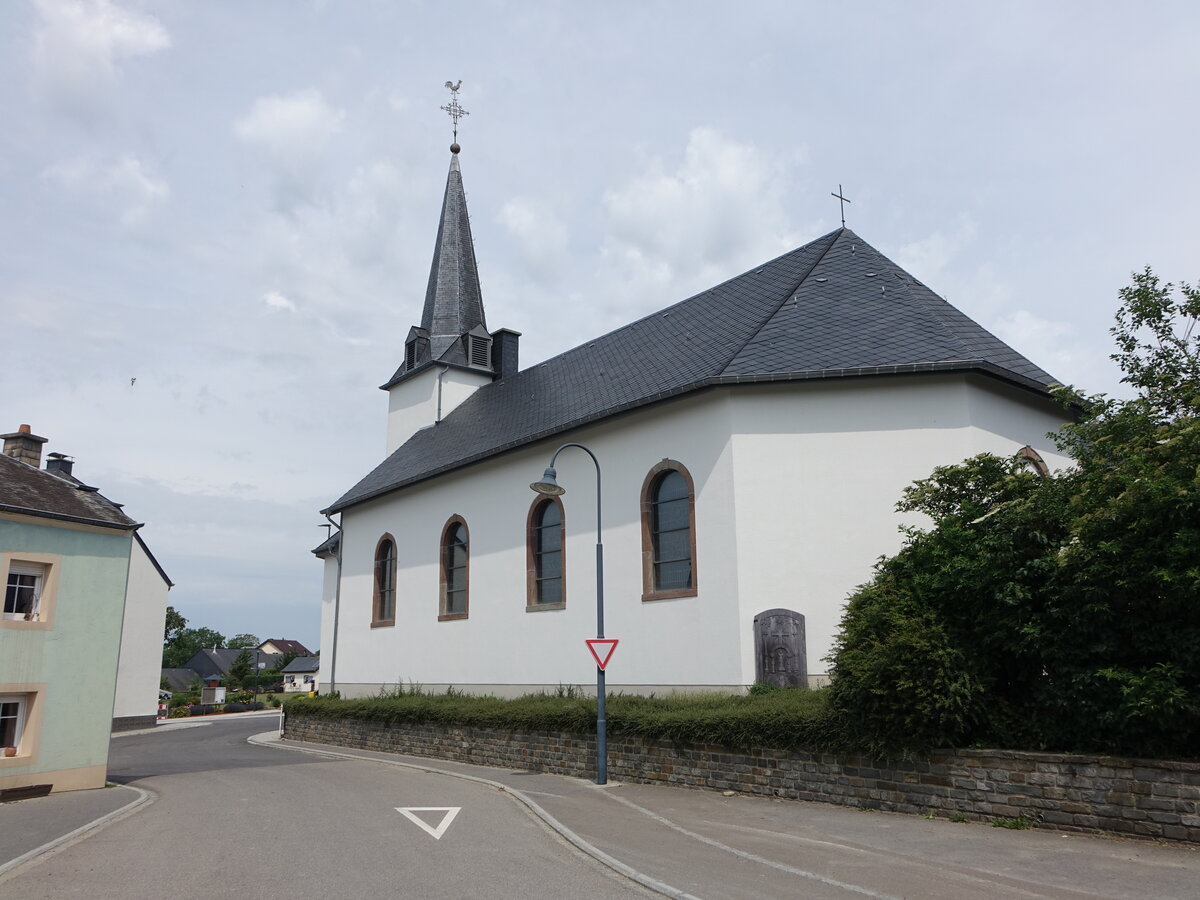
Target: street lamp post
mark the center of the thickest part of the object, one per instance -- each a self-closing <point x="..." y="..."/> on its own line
<point x="550" y="487"/>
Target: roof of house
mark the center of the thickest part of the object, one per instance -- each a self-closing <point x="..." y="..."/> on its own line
<point x="302" y="665"/>
<point x="286" y="645"/>
<point x="179" y="679"/>
<point x="328" y="547"/>
<point x="35" y="492"/>
<point x="834" y="308"/>
<point x="219" y="660"/>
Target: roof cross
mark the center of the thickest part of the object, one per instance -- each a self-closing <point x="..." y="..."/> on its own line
<point x="456" y="112"/>
<point x="842" y="201"/>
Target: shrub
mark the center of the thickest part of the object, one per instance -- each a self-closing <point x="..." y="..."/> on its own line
<point x="201" y="709"/>
<point x="784" y="719"/>
<point x="255" y="705"/>
<point x="236" y="707"/>
<point x="180" y="712"/>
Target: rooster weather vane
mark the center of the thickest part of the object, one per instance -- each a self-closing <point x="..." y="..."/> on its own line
<point x="455" y="110"/>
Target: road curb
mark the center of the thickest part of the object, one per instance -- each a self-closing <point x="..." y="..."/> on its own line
<point x="83" y="831"/>
<point x="272" y="739"/>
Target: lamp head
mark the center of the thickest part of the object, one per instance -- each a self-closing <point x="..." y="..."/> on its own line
<point x="549" y="485"/>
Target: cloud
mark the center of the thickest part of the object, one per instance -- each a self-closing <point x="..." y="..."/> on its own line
<point x="1046" y="342"/>
<point x="126" y="180"/>
<point x="277" y="301"/>
<point x="540" y="235"/>
<point x="720" y="211"/>
<point x="78" y="43"/>
<point x="930" y="256"/>
<point x="293" y="130"/>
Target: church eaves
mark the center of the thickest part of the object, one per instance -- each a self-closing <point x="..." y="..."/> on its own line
<point x="834" y="308"/>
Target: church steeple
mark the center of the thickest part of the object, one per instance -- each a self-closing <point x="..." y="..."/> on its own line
<point x="453" y="299"/>
<point x="453" y="333"/>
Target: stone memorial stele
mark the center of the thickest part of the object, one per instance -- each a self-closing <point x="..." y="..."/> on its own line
<point x="779" y="653"/>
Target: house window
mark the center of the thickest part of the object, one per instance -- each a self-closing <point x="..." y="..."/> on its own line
<point x="29" y="587"/>
<point x="668" y="533"/>
<point x="383" y="609"/>
<point x="545" y="555"/>
<point x="23" y="593"/>
<point x="12" y="719"/>
<point x="454" y="570"/>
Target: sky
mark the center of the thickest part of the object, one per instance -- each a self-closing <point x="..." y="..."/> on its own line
<point x="217" y="219"/>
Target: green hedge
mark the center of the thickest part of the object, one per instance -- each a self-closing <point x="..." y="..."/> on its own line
<point x="781" y="719"/>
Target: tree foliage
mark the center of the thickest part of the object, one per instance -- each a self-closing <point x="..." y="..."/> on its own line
<point x="241" y="641"/>
<point x="186" y="643"/>
<point x="174" y="625"/>
<point x="1059" y="612"/>
<point x="241" y="668"/>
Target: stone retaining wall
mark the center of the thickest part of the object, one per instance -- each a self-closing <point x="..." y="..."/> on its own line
<point x="1074" y="793"/>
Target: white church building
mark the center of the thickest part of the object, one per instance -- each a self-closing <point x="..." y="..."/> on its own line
<point x="753" y="441"/>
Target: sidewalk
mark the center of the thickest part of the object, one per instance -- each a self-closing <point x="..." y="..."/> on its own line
<point x="40" y="823"/>
<point x="686" y="844"/>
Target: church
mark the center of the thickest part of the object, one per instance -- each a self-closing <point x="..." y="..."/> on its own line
<point x="747" y="447"/>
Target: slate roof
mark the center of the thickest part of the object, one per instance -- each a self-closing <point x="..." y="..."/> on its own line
<point x="834" y="308"/>
<point x="453" y="299"/>
<point x="36" y="492"/>
<point x="179" y="679"/>
<point x="302" y="665"/>
<point x="208" y="662"/>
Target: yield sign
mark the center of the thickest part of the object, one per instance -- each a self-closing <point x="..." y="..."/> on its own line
<point x="602" y="650"/>
<point x="409" y="812"/>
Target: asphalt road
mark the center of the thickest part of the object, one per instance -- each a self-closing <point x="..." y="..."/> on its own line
<point x="231" y="819"/>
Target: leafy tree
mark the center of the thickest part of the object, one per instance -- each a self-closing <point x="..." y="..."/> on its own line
<point x="241" y="669"/>
<point x="187" y="643"/>
<point x="174" y="625"/>
<point x="285" y="658"/>
<point x="240" y="641"/>
<point x="1051" y="612"/>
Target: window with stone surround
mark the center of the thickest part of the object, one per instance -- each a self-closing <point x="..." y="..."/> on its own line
<point x="383" y="600"/>
<point x="30" y="582"/>
<point x="454" y="601"/>
<point x="545" y="555"/>
<point x="668" y="532"/>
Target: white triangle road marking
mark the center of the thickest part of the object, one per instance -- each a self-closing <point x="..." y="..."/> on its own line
<point x="450" y="813"/>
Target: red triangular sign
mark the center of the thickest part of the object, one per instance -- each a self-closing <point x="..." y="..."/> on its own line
<point x="606" y="647"/>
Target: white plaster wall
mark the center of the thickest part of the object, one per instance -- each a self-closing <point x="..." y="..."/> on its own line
<point x="796" y="486"/>
<point x="819" y="468"/>
<point x="413" y="403"/>
<point x="139" y="668"/>
<point x="666" y="641"/>
<point x="328" y="604"/>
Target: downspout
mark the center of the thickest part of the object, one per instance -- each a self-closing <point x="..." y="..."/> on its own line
<point x="337" y="605"/>
<point x="441" y="375"/>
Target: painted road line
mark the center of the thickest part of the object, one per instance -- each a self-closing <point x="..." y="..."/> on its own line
<point x="410" y="813"/>
<point x="270" y="739"/>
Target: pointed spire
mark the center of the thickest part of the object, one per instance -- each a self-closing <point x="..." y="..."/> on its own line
<point x="453" y="299"/>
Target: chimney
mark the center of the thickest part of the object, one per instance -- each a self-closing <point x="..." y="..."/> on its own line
<point x="59" y="463"/>
<point x="504" y="352"/>
<point x="24" y="446"/>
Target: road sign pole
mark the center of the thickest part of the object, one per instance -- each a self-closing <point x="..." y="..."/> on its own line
<point x="601" y="721"/>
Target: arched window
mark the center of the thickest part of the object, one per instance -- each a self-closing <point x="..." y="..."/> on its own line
<point x="545" y="555"/>
<point x="668" y="533"/>
<point x="383" y="606"/>
<point x="1034" y="460"/>
<point x="454" y="569"/>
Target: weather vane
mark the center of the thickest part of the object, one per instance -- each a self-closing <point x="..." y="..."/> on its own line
<point x="842" y="201"/>
<point x="455" y="110"/>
